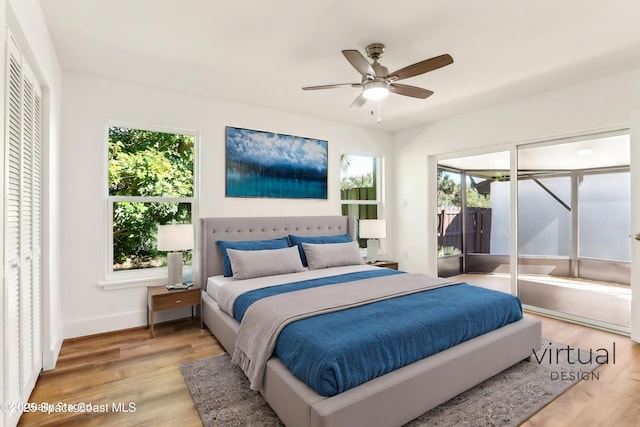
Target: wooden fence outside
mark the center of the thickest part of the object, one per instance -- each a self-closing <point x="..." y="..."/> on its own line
<point x="360" y="211"/>
<point x="478" y="229"/>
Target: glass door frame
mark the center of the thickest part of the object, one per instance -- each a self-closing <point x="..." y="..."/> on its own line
<point x="513" y="149"/>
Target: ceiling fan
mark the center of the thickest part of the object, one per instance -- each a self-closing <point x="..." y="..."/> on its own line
<point x="377" y="81"/>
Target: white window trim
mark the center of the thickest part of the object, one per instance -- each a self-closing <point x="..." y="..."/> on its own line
<point x="114" y="280"/>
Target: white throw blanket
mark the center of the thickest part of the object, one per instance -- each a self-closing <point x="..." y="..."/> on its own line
<point x="265" y="318"/>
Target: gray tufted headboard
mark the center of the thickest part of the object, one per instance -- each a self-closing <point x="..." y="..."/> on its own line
<point x="258" y="228"/>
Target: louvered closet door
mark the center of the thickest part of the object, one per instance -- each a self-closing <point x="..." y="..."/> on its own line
<point x="36" y="233"/>
<point x="23" y="219"/>
<point x="27" y="284"/>
<point x="13" y="358"/>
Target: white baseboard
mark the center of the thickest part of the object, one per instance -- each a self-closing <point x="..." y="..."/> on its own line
<point x="50" y="355"/>
<point x="99" y="325"/>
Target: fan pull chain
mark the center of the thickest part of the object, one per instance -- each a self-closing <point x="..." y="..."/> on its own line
<point x="379" y="108"/>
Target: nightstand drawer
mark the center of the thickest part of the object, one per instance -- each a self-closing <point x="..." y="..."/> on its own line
<point x="387" y="264"/>
<point x="160" y="298"/>
<point x="175" y="299"/>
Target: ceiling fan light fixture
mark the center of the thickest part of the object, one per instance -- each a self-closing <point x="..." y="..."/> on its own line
<point x="376" y="81"/>
<point x="376" y="89"/>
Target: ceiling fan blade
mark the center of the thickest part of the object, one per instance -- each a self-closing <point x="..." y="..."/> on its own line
<point x="421" y="67"/>
<point x="413" y="91"/>
<point x="332" y="86"/>
<point x="359" y="62"/>
<point x="359" y="101"/>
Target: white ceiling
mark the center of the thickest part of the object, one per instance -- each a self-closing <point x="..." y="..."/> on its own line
<point x="262" y="52"/>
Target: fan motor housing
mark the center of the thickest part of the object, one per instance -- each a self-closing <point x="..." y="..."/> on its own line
<point x="375" y="51"/>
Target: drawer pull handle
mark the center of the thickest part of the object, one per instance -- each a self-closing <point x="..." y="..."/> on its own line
<point x="178" y="301"/>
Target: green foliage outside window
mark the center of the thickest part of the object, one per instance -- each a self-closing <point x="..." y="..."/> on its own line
<point x="147" y="164"/>
<point x="449" y="193"/>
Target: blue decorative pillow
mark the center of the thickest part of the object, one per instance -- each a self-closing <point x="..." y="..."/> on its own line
<point x="298" y="240"/>
<point x="248" y="245"/>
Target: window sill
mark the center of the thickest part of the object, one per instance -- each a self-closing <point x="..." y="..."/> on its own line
<point x="142" y="282"/>
<point x="140" y="278"/>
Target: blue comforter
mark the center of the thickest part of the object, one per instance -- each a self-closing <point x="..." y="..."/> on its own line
<point x="336" y="351"/>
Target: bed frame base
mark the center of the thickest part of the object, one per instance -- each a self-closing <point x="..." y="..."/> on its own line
<point x="397" y="397"/>
<point x="390" y="400"/>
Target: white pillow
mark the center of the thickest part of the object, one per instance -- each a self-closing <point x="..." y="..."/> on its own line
<point x="332" y="254"/>
<point x="268" y="262"/>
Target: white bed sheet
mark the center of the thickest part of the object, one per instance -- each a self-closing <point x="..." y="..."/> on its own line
<point x="215" y="283"/>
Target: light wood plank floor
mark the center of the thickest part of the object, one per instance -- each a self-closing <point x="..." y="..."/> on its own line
<point x="128" y="366"/>
<point x="125" y="367"/>
<point x="613" y="399"/>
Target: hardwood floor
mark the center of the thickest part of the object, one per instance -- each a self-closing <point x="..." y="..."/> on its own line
<point x="130" y="367"/>
<point x="125" y="367"/>
<point x="611" y="400"/>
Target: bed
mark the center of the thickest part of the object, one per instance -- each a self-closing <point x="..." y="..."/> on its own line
<point x="391" y="399"/>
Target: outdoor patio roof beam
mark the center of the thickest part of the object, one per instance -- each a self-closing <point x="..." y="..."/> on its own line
<point x="551" y="193"/>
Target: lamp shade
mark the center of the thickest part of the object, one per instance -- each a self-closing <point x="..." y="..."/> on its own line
<point x="373" y="229"/>
<point x="175" y="237"/>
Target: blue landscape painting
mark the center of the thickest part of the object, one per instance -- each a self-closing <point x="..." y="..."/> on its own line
<point x="267" y="164"/>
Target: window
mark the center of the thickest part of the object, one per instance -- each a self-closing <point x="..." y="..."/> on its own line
<point x="360" y="193"/>
<point x="151" y="183"/>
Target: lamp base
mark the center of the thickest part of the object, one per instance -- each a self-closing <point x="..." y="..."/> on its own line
<point x="174" y="265"/>
<point x="372" y="250"/>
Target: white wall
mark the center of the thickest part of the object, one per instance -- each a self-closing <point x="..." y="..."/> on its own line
<point x="89" y="103"/>
<point x="598" y="105"/>
<point x="26" y="22"/>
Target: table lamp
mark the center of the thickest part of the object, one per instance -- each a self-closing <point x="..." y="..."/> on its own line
<point x="175" y="237"/>
<point x="372" y="230"/>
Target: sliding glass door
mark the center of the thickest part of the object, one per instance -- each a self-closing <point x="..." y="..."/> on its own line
<point x="550" y="222"/>
<point x="574" y="226"/>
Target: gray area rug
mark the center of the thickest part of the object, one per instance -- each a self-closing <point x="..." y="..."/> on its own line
<point x="221" y="393"/>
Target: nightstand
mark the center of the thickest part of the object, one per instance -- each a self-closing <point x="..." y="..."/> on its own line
<point x="160" y="298"/>
<point x="387" y="264"/>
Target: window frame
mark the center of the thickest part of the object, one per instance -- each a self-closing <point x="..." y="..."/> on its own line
<point x="145" y="276"/>
<point x="379" y="179"/>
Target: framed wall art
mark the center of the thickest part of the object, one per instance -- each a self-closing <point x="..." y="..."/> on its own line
<point x="267" y="164"/>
